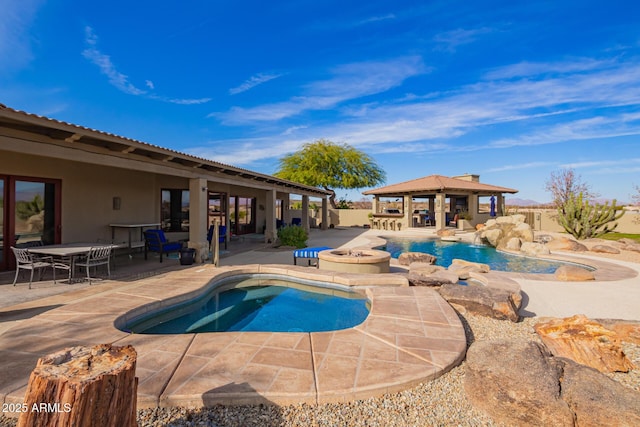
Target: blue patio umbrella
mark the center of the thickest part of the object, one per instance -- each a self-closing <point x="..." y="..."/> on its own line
<point x="492" y="212"/>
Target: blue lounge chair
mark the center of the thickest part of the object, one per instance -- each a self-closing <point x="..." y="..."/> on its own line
<point x="156" y="241"/>
<point x="222" y="230"/>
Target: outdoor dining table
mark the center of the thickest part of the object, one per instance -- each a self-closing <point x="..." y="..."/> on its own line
<point x="70" y="251"/>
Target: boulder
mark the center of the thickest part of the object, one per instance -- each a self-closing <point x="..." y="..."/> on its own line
<point x="572" y="273"/>
<point x="596" y="399"/>
<point x="605" y="249"/>
<point x="479" y="226"/>
<point x="513" y="244"/>
<point x="506" y="232"/>
<point x="635" y="247"/>
<point x="516" y="383"/>
<point x="491" y="235"/>
<point x="584" y="341"/>
<point x="424" y="268"/>
<point x="534" y="249"/>
<point x="520" y="384"/>
<point x="484" y="301"/>
<point x="446" y="232"/>
<point x="438" y="278"/>
<point x="482" y="268"/>
<point x="410" y="257"/>
<point x="565" y="244"/>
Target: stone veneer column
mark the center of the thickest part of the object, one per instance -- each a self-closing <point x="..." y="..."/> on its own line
<point x="270" y="230"/>
<point x="408" y="211"/>
<point x="198" y="216"/>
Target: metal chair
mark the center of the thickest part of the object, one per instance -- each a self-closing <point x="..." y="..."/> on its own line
<point x="98" y="255"/>
<point x="27" y="261"/>
<point x="155" y="241"/>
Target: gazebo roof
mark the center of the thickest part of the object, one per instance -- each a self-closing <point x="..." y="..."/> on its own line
<point x="438" y="184"/>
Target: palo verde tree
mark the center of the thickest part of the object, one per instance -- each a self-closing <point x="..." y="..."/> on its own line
<point x="584" y="220"/>
<point x="329" y="165"/>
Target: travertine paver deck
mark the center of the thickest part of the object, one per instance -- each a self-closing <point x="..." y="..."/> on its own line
<point x="411" y="335"/>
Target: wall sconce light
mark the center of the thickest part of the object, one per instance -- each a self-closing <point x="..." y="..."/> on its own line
<point x="116" y="203"/>
<point x="204" y="189"/>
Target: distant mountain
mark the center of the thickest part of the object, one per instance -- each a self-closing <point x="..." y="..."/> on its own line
<point x="514" y="201"/>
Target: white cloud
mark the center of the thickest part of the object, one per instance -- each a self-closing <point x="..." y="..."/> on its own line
<point x="348" y="82"/>
<point x="116" y="78"/>
<point x="16" y="19"/>
<point x="451" y="40"/>
<point x="120" y="81"/>
<point x="252" y="82"/>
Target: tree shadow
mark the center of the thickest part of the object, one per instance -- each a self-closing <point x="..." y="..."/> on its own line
<point x="25" y="313"/>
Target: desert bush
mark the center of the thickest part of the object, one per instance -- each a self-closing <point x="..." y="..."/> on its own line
<point x="293" y="235"/>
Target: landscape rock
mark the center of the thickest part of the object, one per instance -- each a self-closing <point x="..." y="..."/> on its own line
<point x="446" y="232"/>
<point x="584" y="341"/>
<point x="424" y="268"/>
<point x="513" y="244"/>
<point x="572" y="273"/>
<point x="627" y="330"/>
<point x="484" y="301"/>
<point x="565" y="244"/>
<point x="479" y="267"/>
<point x="635" y="247"/>
<point x="520" y="384"/>
<point x="534" y="249"/>
<point x="439" y="278"/>
<point x="516" y="383"/>
<point x="605" y="249"/>
<point x="596" y="399"/>
<point x="407" y="258"/>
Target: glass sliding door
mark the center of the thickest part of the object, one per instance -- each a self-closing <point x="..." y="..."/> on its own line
<point x="3" y="222"/>
<point x="217" y="208"/>
<point x="242" y="215"/>
<point x="30" y="211"/>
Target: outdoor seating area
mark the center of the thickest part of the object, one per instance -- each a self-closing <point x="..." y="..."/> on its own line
<point x="156" y="241"/>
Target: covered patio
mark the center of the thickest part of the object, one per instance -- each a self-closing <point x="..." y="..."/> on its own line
<point x="65" y="183"/>
<point x="435" y="200"/>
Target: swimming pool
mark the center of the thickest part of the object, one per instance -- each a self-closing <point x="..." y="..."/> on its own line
<point x="254" y="305"/>
<point x="447" y="251"/>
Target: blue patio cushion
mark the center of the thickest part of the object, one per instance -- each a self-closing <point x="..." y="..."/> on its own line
<point x="309" y="252"/>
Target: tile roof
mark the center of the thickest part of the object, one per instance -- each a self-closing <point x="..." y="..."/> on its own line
<point x="436" y="184"/>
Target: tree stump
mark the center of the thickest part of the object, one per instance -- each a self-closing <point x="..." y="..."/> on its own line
<point x="83" y="386"/>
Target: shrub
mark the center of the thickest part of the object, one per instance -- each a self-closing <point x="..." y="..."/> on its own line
<point x="293" y="235"/>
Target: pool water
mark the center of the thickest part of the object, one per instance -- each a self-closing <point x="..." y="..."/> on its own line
<point x="263" y="309"/>
<point x="447" y="251"/>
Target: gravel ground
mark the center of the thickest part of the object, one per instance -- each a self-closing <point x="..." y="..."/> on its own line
<point x="441" y="402"/>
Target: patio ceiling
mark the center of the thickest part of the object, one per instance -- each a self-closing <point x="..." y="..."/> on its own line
<point x="24" y="129"/>
<point x="433" y="184"/>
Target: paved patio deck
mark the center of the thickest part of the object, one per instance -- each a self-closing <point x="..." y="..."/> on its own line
<point x="411" y="335"/>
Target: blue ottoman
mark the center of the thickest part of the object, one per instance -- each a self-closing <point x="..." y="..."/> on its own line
<point x="309" y="253"/>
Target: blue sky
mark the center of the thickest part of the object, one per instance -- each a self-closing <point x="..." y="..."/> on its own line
<point x="508" y="90"/>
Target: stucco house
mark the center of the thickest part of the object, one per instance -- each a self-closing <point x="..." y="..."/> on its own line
<point x="62" y="183"/>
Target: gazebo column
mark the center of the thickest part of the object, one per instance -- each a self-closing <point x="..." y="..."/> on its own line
<point x="408" y="211"/>
<point x="472" y="199"/>
<point x="500" y="204"/>
<point x="432" y="209"/>
<point x="286" y="214"/>
<point x="440" y="211"/>
<point x="374" y="205"/>
<point x="325" y="214"/>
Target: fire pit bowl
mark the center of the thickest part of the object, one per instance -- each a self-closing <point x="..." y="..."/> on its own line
<point x="354" y="260"/>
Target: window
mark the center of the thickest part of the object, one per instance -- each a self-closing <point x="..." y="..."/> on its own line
<point x="174" y="214"/>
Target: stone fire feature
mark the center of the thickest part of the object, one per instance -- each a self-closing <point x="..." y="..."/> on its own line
<point x="354" y="260"/>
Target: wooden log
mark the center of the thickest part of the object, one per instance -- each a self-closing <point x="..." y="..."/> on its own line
<point x="83" y="386"/>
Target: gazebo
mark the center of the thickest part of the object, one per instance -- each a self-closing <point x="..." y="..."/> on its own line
<point x="473" y="201"/>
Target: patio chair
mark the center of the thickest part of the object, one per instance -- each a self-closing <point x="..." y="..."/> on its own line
<point x="156" y="241"/>
<point x="97" y="256"/>
<point x="28" y="261"/>
<point x="222" y="235"/>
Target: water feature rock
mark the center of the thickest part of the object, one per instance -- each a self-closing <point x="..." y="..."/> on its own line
<point x="446" y="232"/>
<point x="482" y="300"/>
<point x="534" y="249"/>
<point x="424" y="268"/>
<point x="410" y="257"/>
<point x="584" y="341"/>
<point x="508" y="232"/>
<point x="516" y="383"/>
<point x="572" y="273"/>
